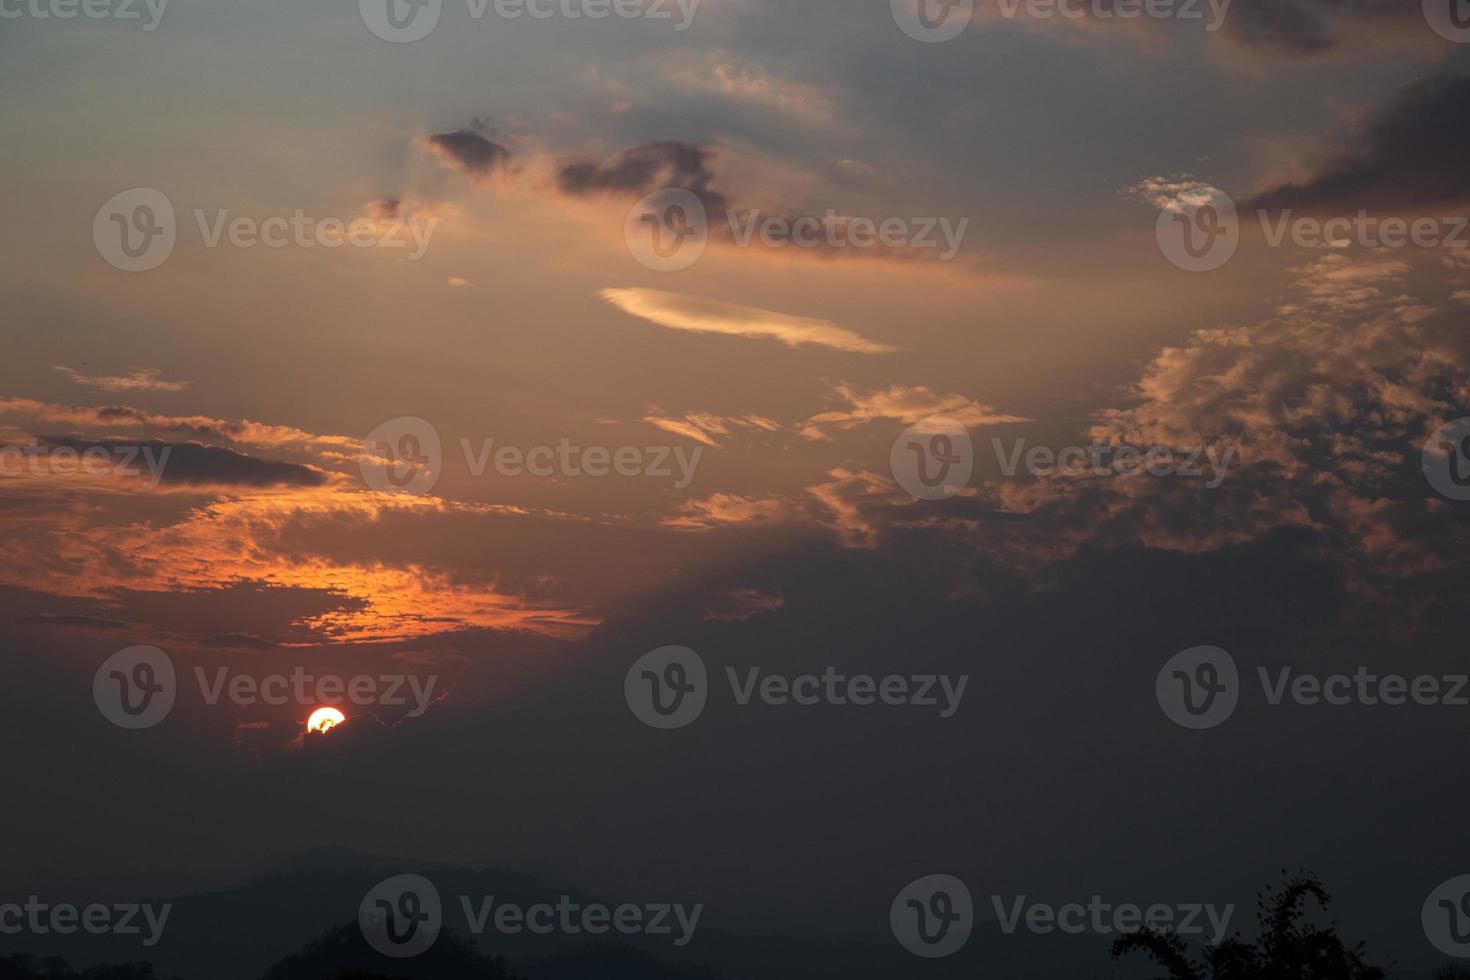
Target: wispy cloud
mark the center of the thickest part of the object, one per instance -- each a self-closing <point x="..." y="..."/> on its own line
<point x="140" y="380"/>
<point x="729" y="510"/>
<point x="705" y="427"/>
<point x="679" y="312"/>
<point x="899" y="403"/>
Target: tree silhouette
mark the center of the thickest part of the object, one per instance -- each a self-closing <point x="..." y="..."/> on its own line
<point x="1288" y="948"/>
<point x="22" y="967"/>
<point x="343" y="954"/>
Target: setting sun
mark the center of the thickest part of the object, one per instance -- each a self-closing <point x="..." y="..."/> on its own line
<point x="324" y="719"/>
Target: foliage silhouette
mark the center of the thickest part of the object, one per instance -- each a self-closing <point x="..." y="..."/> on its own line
<point x="19" y="966"/>
<point x="343" y="954"/>
<point x="1288" y="948"/>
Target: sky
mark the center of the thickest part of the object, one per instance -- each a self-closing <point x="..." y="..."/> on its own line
<point x="301" y="446"/>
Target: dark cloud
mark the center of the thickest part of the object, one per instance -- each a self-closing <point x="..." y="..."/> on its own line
<point x="1413" y="153"/>
<point x="84" y="622"/>
<point x="644" y="169"/>
<point x="192" y="464"/>
<point x="469" y="151"/>
<point x="1308" y="28"/>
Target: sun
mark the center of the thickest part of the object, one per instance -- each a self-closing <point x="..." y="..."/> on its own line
<point x="324" y="719"/>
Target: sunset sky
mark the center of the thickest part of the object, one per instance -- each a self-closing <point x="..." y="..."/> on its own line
<point x="781" y="376"/>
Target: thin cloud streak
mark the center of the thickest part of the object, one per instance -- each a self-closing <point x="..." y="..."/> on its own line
<point x="679" y="312"/>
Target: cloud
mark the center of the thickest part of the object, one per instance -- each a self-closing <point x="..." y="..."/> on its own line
<point x="191" y="464"/>
<point x="1311" y="28"/>
<point x="1411" y="154"/>
<point x="899" y="403"/>
<point x="459" y="283"/>
<point x="704" y="427"/>
<point x="718" y="73"/>
<point x="850" y="498"/>
<point x="679" y="312"/>
<point x="140" y="380"/>
<point x="238" y="431"/>
<point x="289" y="564"/>
<point x="738" y="605"/>
<point x="1175" y="193"/>
<point x="644" y="169"/>
<point x="1323" y="409"/>
<point x="729" y="510"/>
<point x="469" y="152"/>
